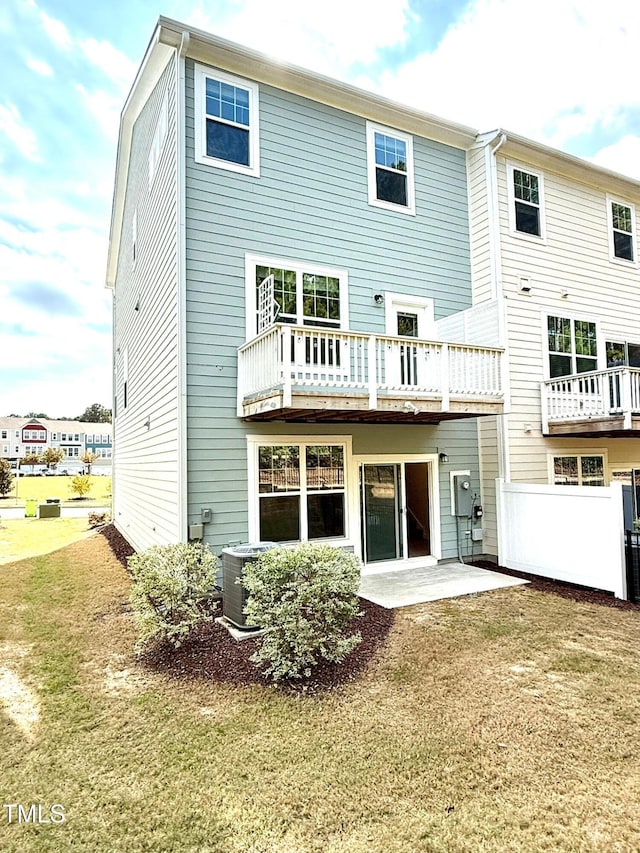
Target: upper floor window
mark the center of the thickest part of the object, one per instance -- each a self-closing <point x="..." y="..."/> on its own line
<point x="304" y="294"/>
<point x="572" y="346"/>
<point x="390" y="169"/>
<point x="622" y="228"/>
<point x="525" y="194"/>
<point x="226" y="121"/>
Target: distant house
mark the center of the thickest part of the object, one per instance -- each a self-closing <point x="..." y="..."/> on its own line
<point x="296" y="352"/>
<point x="20" y="437"/>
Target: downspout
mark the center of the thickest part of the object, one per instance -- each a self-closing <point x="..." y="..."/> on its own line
<point x="183" y="493"/>
<point x="497" y="292"/>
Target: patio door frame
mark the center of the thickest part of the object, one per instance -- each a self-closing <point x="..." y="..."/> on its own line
<point x="433" y="492"/>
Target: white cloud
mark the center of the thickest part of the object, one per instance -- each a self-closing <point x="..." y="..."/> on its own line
<point x="56" y="31"/>
<point x="111" y="61"/>
<point x="330" y="38"/>
<point x="104" y="108"/>
<point x="39" y="66"/>
<point x="13" y="127"/>
<point x="623" y="156"/>
<point x="549" y="73"/>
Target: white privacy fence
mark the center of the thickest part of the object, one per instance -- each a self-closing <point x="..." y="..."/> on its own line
<point x="567" y="533"/>
<point x="481" y="324"/>
<point x="291" y="357"/>
<point x="599" y="393"/>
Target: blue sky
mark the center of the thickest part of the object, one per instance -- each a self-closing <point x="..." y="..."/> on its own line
<point x="558" y="71"/>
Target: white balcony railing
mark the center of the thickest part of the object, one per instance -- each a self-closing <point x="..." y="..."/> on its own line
<point x="597" y="394"/>
<point x="294" y="358"/>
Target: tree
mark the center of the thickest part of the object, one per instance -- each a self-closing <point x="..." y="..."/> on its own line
<point x="52" y="456"/>
<point x="96" y="414"/>
<point x="6" y="477"/>
<point x="31" y="459"/>
<point x="80" y="485"/>
<point x="88" y="458"/>
<point x="37" y="415"/>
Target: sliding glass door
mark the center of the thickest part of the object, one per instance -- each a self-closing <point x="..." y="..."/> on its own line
<point x="395" y="511"/>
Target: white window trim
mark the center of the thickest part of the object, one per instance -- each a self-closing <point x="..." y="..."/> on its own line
<point x="253" y="494"/>
<point x="201" y="72"/>
<point x="597" y="451"/>
<point x="253" y="261"/>
<point x="159" y="136"/>
<point x="521" y="235"/>
<point x="371" y="169"/>
<point x="423" y="306"/>
<point x="601" y="362"/>
<point x="612" y="256"/>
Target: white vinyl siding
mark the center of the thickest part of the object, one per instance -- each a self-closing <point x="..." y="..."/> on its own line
<point x="146" y="431"/>
<point x="570" y="275"/>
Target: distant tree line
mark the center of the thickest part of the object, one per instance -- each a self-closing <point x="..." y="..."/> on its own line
<point x="94" y="414"/>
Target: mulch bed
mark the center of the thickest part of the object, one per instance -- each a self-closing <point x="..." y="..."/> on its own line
<point x="120" y="547"/>
<point x="211" y="652"/>
<point x="565" y="590"/>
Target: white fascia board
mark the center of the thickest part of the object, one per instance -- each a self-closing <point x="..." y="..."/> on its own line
<point x="550" y="159"/>
<point x="237" y="59"/>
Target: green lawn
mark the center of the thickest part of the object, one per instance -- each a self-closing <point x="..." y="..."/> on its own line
<point x="42" y="488"/>
<point x="30" y="537"/>
<point x="505" y="721"/>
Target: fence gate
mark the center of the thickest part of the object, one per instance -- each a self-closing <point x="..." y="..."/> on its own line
<point x="632" y="557"/>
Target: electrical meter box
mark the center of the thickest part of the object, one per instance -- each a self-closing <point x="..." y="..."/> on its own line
<point x="463" y="496"/>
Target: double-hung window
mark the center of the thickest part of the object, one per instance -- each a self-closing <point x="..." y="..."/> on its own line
<point x="301" y="490"/>
<point x="525" y="196"/>
<point x="226" y="121"/>
<point x="622" y="228"/>
<point x="578" y="470"/>
<point x="390" y="169"/>
<point x="572" y="346"/>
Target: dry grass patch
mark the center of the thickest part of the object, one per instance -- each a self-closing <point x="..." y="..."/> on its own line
<point x="506" y="721"/>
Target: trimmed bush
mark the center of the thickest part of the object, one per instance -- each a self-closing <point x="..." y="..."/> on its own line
<point x="173" y="592"/>
<point x="305" y="596"/>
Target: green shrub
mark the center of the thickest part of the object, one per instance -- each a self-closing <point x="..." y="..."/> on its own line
<point x="305" y="596"/>
<point x="173" y="592"/>
<point x="80" y="485"/>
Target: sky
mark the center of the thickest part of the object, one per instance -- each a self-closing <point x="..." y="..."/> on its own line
<point x="557" y="71"/>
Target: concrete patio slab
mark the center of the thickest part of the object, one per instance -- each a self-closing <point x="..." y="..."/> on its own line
<point x="431" y="583"/>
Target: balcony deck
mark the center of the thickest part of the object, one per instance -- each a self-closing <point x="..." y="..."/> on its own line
<point x="298" y="373"/>
<point x="601" y="403"/>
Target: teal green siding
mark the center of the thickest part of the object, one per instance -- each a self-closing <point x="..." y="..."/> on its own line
<point x="310" y="204"/>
